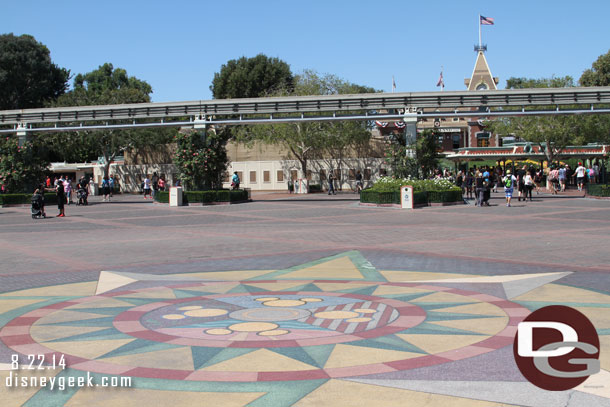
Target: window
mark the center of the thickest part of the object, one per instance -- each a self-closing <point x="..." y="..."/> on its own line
<point x="455" y="137"/>
<point x="252" y="177"/>
<point x="226" y="177"/>
<point x="322" y="175"/>
<point x="308" y="175"/>
<point x="293" y="175"/>
<point x="352" y="174"/>
<point x="482" y="139"/>
<point x="266" y="176"/>
<point x="240" y="175"/>
<point x="280" y="176"/>
<point x="337" y="173"/>
<point x="383" y="172"/>
<point x="367" y="174"/>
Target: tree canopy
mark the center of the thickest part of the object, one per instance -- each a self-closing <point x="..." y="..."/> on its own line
<point x="599" y="74"/>
<point x="28" y="77"/>
<point x="105" y="85"/>
<point x="251" y="77"/>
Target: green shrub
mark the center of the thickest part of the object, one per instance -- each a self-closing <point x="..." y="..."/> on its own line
<point x="22" y="199"/>
<point x="315" y="188"/>
<point x="387" y="191"/>
<point x="600" y="190"/>
<point x="210" y="196"/>
<point x="162" y="196"/>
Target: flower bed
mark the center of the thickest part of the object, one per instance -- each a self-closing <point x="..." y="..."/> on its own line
<point x="206" y="197"/>
<point x="386" y="192"/>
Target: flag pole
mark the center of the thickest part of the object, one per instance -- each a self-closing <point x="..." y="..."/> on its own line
<point x="479" y="32"/>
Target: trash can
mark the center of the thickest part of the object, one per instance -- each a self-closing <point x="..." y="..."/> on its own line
<point x="175" y="196"/>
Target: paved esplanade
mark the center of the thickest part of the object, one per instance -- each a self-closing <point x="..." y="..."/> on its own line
<point x="300" y="301"/>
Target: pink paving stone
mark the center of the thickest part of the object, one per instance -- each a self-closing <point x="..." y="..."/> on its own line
<point x="384" y="330"/>
<point x="202" y="375"/>
<point x="415" y="363"/>
<point x="463" y="353"/>
<point x="263" y="344"/>
<point x="88" y="299"/>
<point x="15" y="330"/>
<point x="509" y="331"/>
<point x="507" y="304"/>
<point x="294" y="375"/>
<point x="495" y="342"/>
<point x="61" y="305"/>
<point x="152" y="336"/>
<point x="129" y="316"/>
<point x="158" y="373"/>
<point x="514" y="321"/>
<point x="129" y="326"/>
<point x="359" y="370"/>
<point x="31" y="349"/>
<point x="12" y="340"/>
<point x="149" y="307"/>
<point x="40" y="312"/>
<point x="22" y="321"/>
<point x="101" y="367"/>
<point x="517" y="312"/>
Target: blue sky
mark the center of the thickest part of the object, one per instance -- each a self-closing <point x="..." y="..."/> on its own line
<point x="178" y="45"/>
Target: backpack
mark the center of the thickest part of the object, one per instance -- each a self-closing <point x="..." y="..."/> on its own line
<point x="508" y="182"/>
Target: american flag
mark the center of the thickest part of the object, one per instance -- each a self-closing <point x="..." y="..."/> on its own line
<point x="441" y="82"/>
<point x="487" y="20"/>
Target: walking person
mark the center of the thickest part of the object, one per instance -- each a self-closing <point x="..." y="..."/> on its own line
<point x="235" y="181"/>
<point x="554" y="177"/>
<point x="479" y="189"/>
<point x="562" y="178"/>
<point x="331" y="183"/>
<point x="580" y="173"/>
<point x="509" y="186"/>
<point x="146" y="188"/>
<point x="106" y="189"/>
<point x="520" y="183"/>
<point x="68" y="190"/>
<point x="111" y="186"/>
<point x="61" y="199"/>
<point x="469" y="183"/>
<point x="162" y="183"/>
<point x="529" y="185"/>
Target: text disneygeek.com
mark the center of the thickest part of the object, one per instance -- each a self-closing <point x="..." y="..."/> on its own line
<point x="38" y="363"/>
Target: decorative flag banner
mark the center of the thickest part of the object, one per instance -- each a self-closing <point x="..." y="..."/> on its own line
<point x="393" y="85"/>
<point x="441" y="82"/>
<point x="487" y="20"/>
<point x="381" y="124"/>
<point x="400" y="125"/>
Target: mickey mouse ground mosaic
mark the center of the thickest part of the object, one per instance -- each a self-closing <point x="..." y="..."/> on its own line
<point x="332" y="329"/>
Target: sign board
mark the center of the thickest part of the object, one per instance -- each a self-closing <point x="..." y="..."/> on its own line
<point x="406" y="197"/>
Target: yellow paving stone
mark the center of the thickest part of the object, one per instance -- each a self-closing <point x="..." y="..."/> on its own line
<point x="347" y="355"/>
<point x="441" y="343"/>
<point x="108" y="281"/>
<point x="341" y="268"/>
<point x="87" y="349"/>
<point x="275" y="286"/>
<point x="261" y="360"/>
<point x="127" y="397"/>
<point x="599" y="317"/>
<point x="17" y="396"/>
<point x="160" y="293"/>
<point x="351" y="394"/>
<point x="392" y="289"/>
<point x="101" y="303"/>
<point x="406" y="276"/>
<point x="481" y="308"/>
<point x="560" y="293"/>
<point x="226" y="275"/>
<point x="488" y="326"/>
<point x="445" y="297"/>
<point x="43" y="333"/>
<point x="177" y="358"/>
<point x="604" y="354"/>
<point x="67" y="316"/>
<point x="74" y="289"/>
<point x="9" y="305"/>
<point x="597" y="384"/>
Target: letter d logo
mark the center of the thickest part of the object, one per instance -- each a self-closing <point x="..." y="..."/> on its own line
<point x="526" y="339"/>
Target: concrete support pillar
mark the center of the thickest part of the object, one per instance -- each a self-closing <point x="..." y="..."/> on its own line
<point x="410" y="120"/>
<point x="22" y="134"/>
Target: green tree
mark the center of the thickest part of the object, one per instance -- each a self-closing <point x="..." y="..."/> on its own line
<point x="251" y="77"/>
<point x="21" y="166"/>
<point x="599" y="74"/>
<point x="314" y="139"/>
<point x="426" y="152"/>
<point x="201" y="158"/>
<point x="528" y="83"/>
<point x="28" y="77"/>
<point x="106" y="85"/>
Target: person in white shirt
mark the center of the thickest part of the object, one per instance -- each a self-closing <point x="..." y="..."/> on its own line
<point x="579" y="173"/>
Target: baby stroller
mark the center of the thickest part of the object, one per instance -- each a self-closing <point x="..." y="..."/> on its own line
<point x="82" y="196"/>
<point x="38" y="207"/>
